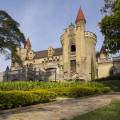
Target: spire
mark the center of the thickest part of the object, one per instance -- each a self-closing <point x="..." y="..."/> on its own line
<point x="103" y="50"/>
<point x="7" y="69"/>
<point x="27" y="43"/>
<point x="80" y="16"/>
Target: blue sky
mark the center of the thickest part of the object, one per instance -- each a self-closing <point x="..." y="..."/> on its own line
<point x="43" y="21"/>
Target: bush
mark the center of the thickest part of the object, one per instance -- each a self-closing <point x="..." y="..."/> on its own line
<point x="80" y="91"/>
<point x="15" y="94"/>
<point x="22" y="85"/>
<point x="12" y="99"/>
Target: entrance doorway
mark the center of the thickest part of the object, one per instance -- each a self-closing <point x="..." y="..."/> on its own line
<point x="51" y="74"/>
<point x="73" y="66"/>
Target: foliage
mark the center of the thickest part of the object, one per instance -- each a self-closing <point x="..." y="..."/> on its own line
<point x="80" y="91"/>
<point x="108" y="6"/>
<point x="110" y="26"/>
<point x="22" y="85"/>
<point x="109" y="78"/>
<point x="110" y="112"/>
<point x="12" y="99"/>
<point x="14" y="94"/>
<point x="10" y="35"/>
<point x="113" y="83"/>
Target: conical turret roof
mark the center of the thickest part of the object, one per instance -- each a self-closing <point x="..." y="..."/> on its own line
<point x="27" y="43"/>
<point x="80" y="16"/>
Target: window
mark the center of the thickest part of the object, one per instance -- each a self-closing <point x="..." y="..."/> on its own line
<point x="73" y="66"/>
<point x="73" y="48"/>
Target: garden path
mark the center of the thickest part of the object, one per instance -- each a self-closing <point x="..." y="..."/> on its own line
<point x="63" y="109"/>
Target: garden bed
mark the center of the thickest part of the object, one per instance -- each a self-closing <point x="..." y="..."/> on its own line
<point x="15" y="94"/>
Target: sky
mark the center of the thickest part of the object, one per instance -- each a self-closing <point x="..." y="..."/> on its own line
<point x="44" y="21"/>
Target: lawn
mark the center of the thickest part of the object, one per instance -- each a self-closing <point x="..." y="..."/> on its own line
<point x="110" y="112"/>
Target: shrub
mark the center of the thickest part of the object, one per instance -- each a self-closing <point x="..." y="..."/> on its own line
<point x="12" y="99"/>
<point x="15" y="94"/>
<point x="115" y="77"/>
<point x="6" y="86"/>
<point x="86" y="91"/>
<point x="80" y="91"/>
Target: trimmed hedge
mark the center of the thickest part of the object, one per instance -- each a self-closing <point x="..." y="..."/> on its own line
<point x="12" y="99"/>
<point x="80" y="91"/>
<point x="17" y="94"/>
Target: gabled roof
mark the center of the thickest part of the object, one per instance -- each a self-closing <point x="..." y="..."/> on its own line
<point x="80" y="16"/>
<point x="44" y="53"/>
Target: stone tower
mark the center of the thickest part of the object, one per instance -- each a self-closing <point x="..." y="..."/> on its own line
<point x="25" y="53"/>
<point x="78" y="48"/>
<point x="80" y="42"/>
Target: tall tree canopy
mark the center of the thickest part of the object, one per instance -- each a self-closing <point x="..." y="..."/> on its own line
<point x="110" y="25"/>
<point x="10" y="35"/>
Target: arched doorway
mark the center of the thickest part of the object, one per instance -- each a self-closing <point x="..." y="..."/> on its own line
<point x="73" y="66"/>
<point x="51" y="74"/>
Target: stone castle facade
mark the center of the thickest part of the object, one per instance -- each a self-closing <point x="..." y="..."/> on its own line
<point x="76" y="58"/>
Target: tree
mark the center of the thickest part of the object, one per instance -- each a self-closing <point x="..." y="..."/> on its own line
<point x="110" y="26"/>
<point x="10" y="36"/>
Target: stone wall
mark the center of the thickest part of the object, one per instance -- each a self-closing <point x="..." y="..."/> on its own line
<point x="108" y="67"/>
<point x="32" y="74"/>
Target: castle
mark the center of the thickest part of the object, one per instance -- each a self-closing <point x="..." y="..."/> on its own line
<point x="76" y="58"/>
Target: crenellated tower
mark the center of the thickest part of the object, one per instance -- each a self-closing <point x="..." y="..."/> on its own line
<point x="80" y="42"/>
<point x="78" y="48"/>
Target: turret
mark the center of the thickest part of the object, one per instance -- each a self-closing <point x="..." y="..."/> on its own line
<point x="27" y="44"/>
<point x="103" y="53"/>
<point x="26" y="52"/>
<point x="80" y="41"/>
<point x="80" y="34"/>
<point x="73" y="43"/>
<point x="80" y="19"/>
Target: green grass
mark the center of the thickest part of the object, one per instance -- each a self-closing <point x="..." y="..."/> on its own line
<point x="110" y="112"/>
<point x="6" y="86"/>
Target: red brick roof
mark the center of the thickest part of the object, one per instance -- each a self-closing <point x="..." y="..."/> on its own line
<point x="80" y="16"/>
<point x="27" y="43"/>
<point x="44" y="53"/>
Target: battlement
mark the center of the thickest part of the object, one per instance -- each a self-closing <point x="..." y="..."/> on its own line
<point x="90" y="34"/>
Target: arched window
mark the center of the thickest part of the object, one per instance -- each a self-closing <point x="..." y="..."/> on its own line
<point x="73" y="48"/>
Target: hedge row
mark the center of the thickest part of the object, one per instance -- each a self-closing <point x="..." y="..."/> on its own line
<point x="28" y="93"/>
<point x="13" y="99"/>
<point x="80" y="91"/>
